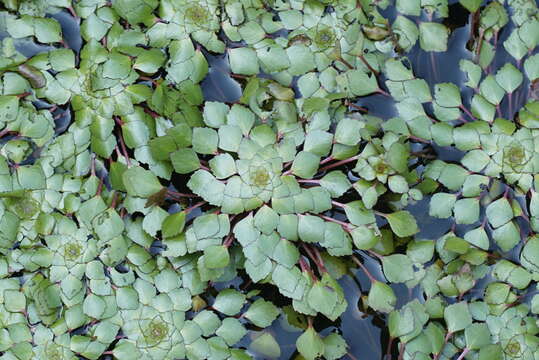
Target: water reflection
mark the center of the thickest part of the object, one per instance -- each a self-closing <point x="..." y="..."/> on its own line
<point x="218" y="84"/>
<point x="70" y="29"/>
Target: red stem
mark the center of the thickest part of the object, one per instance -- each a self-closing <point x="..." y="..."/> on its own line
<point x="364" y="61"/>
<point x="309" y="181"/>
<point x="326" y="160"/>
<point x="380" y="91"/>
<point x="124" y="149"/>
<point x="345" y="225"/>
<point x="198" y="204"/>
<point x="367" y="272"/>
<point x="357" y="107"/>
<point x="339" y="163"/>
<point x="179" y="194"/>
<point x="463" y="353"/>
<point x="24" y="94"/>
<point x="463" y="108"/>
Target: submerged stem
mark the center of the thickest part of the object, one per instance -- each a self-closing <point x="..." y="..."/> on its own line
<point x="433" y="65"/>
<point x="510" y="98"/>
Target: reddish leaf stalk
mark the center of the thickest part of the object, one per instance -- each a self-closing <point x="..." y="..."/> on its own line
<point x="339" y="163"/>
<point x="198" y="204"/>
<point x="114" y="200"/>
<point x="357" y="107"/>
<point x="99" y="187"/>
<point x="326" y="160"/>
<point x="348" y="65"/>
<point x="229" y="240"/>
<point x="309" y="181"/>
<point x="364" y="61"/>
<point x="463" y="108"/>
<point x="367" y="272"/>
<point x="380" y="91"/>
<point x="24" y="94"/>
<point x="124" y="149"/>
<point x="176" y="194"/>
<point x="463" y="353"/>
<point x="346" y="226"/>
<point x="306" y="268"/>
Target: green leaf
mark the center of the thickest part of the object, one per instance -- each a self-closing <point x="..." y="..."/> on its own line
<point x="507" y="236"/>
<point x="243" y="61"/>
<point x="409" y="7"/>
<point x="205" y="140"/>
<point x="94" y="306"/>
<point x="466" y="211"/>
<point x="441" y="205"/>
<point x="361" y="84"/>
<point x="381" y="297"/>
<point x="9" y="108"/>
<point x="477" y="336"/>
<point x="301" y="59"/>
<point x="531" y="67"/>
<point x="397" y="268"/>
<point x="140" y="182"/>
<point x="491" y="90"/>
<point x="305" y="165"/>
<point x="266" y="345"/>
<point x="229" y="302"/>
<point x="127" y="298"/>
<point x="215" y="113"/>
<point x="456" y="244"/>
<point x="117" y="66"/>
<point x="499" y="212"/>
<point x="231" y="330"/>
<point x="402" y="223"/>
<point x="529" y="257"/>
<point x="473" y="72"/>
<point x="457" y="316"/>
<point x="173" y="225"/>
<point x="478" y="237"/>
<point x="334" y="346"/>
<point x="471" y="5"/>
<point x="433" y="36"/>
<point x="223" y="166"/>
<point x="420" y="251"/>
<point x="262" y="313"/>
<point x="482" y="108"/>
<point x="47" y="30"/>
<point x="348" y="131"/>
<point x="14" y="301"/>
<point x="336" y="182"/>
<point x="322" y="298"/>
<point x="406" y="30"/>
<point x="509" y="77"/>
<point x="216" y="257"/>
<point x="491" y="352"/>
<point x="310" y="345"/>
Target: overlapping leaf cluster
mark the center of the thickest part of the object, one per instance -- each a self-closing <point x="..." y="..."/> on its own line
<point x="140" y="219"/>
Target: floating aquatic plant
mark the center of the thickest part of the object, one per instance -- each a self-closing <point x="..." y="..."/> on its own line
<point x="142" y="217"/>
